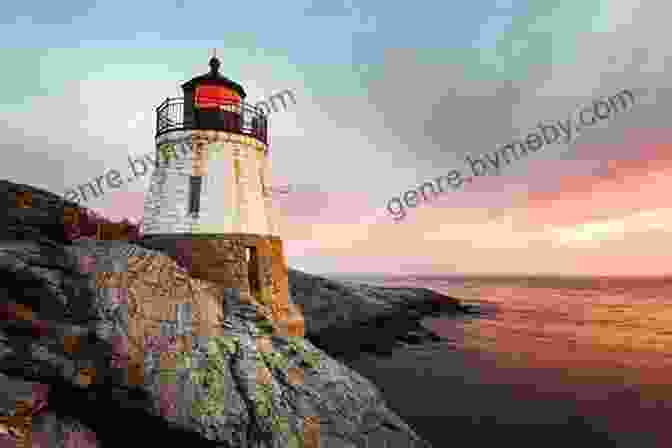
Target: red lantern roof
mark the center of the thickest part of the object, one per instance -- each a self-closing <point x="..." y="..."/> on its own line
<point x="214" y="78"/>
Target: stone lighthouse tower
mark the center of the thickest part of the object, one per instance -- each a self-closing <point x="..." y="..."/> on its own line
<point x="209" y="200"/>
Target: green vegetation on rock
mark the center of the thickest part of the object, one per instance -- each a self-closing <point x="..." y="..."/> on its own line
<point x="265" y="327"/>
<point x="294" y="441"/>
<point x="263" y="401"/>
<point x="212" y="376"/>
<point x="274" y="359"/>
<point x="168" y="376"/>
<point x="297" y="345"/>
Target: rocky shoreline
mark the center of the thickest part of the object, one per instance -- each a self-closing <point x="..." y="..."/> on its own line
<point x="345" y="319"/>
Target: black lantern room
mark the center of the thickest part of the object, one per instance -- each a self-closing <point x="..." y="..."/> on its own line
<point x="212" y="102"/>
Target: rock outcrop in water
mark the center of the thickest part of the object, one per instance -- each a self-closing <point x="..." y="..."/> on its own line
<point x="345" y="318"/>
<point x="71" y="373"/>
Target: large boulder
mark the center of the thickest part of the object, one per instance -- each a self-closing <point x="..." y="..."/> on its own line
<point x="72" y="372"/>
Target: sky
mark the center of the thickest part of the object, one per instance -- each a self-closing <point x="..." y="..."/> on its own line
<point x="388" y="95"/>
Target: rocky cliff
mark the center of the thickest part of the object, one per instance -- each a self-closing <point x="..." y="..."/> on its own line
<point x="85" y="362"/>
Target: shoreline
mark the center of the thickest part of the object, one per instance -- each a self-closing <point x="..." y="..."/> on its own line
<point x="381" y="334"/>
<point x="346" y="318"/>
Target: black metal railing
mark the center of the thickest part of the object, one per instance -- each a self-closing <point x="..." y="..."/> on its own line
<point x="240" y="118"/>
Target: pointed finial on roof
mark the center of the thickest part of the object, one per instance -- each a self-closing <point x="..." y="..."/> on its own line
<point x="214" y="62"/>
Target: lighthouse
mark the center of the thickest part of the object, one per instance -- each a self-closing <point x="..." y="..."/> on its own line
<point x="209" y="198"/>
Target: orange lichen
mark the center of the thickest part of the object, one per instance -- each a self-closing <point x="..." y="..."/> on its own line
<point x="71" y="343"/>
<point x="311" y="432"/>
<point x="24" y="199"/>
<point x="86" y="376"/>
<point x="20" y="425"/>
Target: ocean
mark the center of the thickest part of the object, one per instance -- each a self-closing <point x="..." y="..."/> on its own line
<point x="548" y="362"/>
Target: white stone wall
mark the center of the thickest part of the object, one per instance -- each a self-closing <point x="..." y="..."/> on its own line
<point x="167" y="201"/>
<point x="256" y="214"/>
<point x="227" y="204"/>
<point x="219" y="203"/>
<point x="270" y="208"/>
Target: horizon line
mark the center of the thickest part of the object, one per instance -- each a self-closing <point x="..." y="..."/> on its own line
<point x="492" y="275"/>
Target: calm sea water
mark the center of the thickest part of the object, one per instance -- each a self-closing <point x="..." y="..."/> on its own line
<point x="551" y="361"/>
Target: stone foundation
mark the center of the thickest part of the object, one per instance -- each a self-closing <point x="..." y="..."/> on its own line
<point x="222" y="259"/>
<point x="166" y="300"/>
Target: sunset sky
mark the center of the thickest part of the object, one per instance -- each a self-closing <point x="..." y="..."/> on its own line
<point x="389" y="95"/>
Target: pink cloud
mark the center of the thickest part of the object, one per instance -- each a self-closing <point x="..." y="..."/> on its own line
<point x="625" y="185"/>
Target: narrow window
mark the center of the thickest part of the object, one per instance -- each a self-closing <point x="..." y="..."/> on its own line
<point x="261" y="179"/>
<point x="195" y="183"/>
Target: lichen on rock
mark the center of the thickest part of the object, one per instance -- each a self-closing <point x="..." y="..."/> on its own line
<point x="111" y="307"/>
